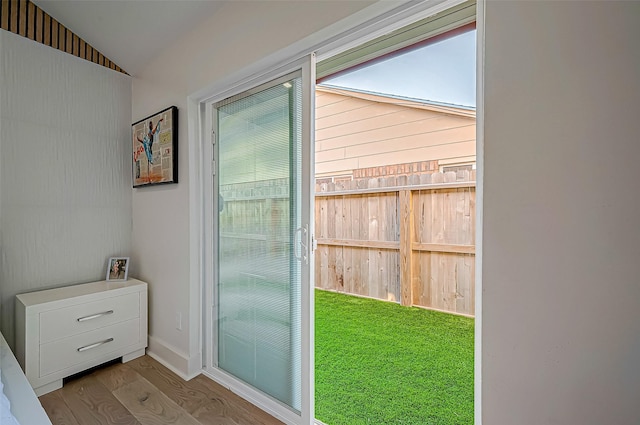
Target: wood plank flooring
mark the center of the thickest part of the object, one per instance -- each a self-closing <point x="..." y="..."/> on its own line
<point x="144" y="392"/>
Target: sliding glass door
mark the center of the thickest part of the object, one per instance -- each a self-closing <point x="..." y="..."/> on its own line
<point x="263" y="297"/>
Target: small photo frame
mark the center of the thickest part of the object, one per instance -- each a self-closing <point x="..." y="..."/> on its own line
<point x="155" y="149"/>
<point x="117" y="268"/>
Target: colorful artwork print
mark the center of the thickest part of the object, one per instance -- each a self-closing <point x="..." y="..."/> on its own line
<point x="155" y="153"/>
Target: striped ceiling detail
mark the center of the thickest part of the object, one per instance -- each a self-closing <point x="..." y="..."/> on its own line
<point x="24" y="18"/>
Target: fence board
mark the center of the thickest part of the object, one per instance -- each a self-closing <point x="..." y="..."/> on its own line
<point x="465" y="295"/>
<point x="439" y="247"/>
<point x="422" y="270"/>
<point x="375" y="285"/>
<point x="347" y="253"/>
<point x="359" y="243"/>
<point x="437" y="281"/>
<point x="406" y="253"/>
<point x="362" y="254"/>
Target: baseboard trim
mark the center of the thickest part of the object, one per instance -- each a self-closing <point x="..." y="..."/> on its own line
<point x="182" y="365"/>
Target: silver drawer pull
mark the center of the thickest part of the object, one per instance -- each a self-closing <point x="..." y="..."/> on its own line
<point x="94" y="345"/>
<point x="95" y="316"/>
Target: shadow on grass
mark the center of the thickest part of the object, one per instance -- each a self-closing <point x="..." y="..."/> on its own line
<point x="381" y="363"/>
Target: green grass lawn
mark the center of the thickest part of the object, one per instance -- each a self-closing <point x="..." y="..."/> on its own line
<point x="381" y="363"/>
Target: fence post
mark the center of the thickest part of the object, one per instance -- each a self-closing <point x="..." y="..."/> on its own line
<point x="406" y="251"/>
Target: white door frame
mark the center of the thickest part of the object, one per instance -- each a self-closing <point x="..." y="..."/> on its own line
<point x="307" y="67"/>
<point x="378" y="19"/>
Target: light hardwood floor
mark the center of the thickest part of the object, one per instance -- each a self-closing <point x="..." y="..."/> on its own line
<point x="144" y="392"/>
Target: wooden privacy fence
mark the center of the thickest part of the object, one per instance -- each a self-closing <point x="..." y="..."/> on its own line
<point x="409" y="239"/>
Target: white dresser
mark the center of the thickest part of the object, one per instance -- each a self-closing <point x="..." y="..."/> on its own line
<point x="63" y="331"/>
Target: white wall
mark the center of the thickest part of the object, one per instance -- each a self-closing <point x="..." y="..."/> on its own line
<point x="237" y="36"/>
<point x="561" y="279"/>
<point x="65" y="177"/>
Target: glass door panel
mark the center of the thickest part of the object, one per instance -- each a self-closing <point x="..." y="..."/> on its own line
<point x="259" y="221"/>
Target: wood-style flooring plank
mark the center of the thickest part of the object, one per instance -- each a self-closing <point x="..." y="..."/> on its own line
<point x="225" y="404"/>
<point x="92" y="403"/>
<point x="57" y="410"/>
<point x="177" y="389"/>
<point x="223" y="410"/>
<point x="116" y="376"/>
<point x="150" y="406"/>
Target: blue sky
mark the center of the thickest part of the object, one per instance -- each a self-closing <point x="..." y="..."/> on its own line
<point x="444" y="72"/>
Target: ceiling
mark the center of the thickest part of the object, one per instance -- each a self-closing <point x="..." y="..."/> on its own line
<point x="129" y="32"/>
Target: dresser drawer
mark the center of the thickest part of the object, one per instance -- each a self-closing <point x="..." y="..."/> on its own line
<point x="58" y="355"/>
<point x="80" y="318"/>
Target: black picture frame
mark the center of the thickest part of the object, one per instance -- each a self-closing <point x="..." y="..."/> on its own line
<point x="155" y="149"/>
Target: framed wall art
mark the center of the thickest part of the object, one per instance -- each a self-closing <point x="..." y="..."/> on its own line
<point x="155" y="149"/>
<point x="118" y="268"/>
